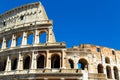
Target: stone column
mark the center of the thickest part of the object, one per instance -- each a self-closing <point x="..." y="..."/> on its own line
<point x="63" y="59"/>
<point x="8" y="64"/>
<point x="13" y="44"/>
<point x="36" y="37"/>
<point x="50" y="37"/>
<point x="48" y="62"/>
<point x="4" y="43"/>
<point x="20" y="62"/>
<point x="33" y="63"/>
<point x="24" y="39"/>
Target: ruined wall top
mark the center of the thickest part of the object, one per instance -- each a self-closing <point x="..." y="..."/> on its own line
<point x="24" y="14"/>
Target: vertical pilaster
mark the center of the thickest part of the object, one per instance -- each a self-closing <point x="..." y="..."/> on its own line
<point x="63" y="59"/>
<point x="20" y="62"/>
<point x="4" y="43"/>
<point x="24" y="39"/>
<point x="36" y="37"/>
<point x="8" y="64"/>
<point x="48" y="62"/>
<point x="13" y="44"/>
<point x="33" y="63"/>
<point x="50" y="37"/>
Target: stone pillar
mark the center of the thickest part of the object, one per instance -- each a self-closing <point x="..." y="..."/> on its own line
<point x="50" y="37"/>
<point x="36" y="37"/>
<point x="48" y="62"/>
<point x="24" y="39"/>
<point x="112" y="73"/>
<point x="33" y="63"/>
<point x="4" y="43"/>
<point x="8" y="64"/>
<point x="13" y="44"/>
<point x="20" y="62"/>
<point x="63" y="59"/>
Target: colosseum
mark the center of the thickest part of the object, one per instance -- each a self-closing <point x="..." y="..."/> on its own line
<point x="23" y="56"/>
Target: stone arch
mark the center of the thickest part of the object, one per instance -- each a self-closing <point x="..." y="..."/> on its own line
<point x="116" y="73"/>
<point x="82" y="64"/>
<point x="55" y="61"/>
<point x="71" y="63"/>
<point x="30" y="38"/>
<point x="26" y="62"/>
<point x="14" y="63"/>
<point x="107" y="60"/>
<point x="100" y="68"/>
<point x="41" y="61"/>
<point x="108" y="71"/>
<point x="18" y="40"/>
<point x="42" y="36"/>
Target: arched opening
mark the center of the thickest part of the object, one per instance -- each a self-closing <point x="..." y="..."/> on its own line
<point x="108" y="70"/>
<point x="26" y="64"/>
<point x="71" y="63"/>
<point x="82" y="64"/>
<point x="9" y="41"/>
<point x="116" y="75"/>
<point x="42" y="37"/>
<point x="41" y="62"/>
<point x="100" y="68"/>
<point x="107" y="60"/>
<point x="19" y="41"/>
<point x="14" y="64"/>
<point x="3" y="65"/>
<point x="55" y="61"/>
<point x="30" y="39"/>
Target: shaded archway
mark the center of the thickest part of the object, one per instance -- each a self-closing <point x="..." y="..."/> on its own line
<point x="55" y="61"/>
<point x="107" y="60"/>
<point x="26" y="62"/>
<point x="116" y="74"/>
<point x="82" y="64"/>
<point x="3" y="65"/>
<point x="14" y="64"/>
<point x="42" y="37"/>
<point x="19" y="41"/>
<point x="71" y="63"/>
<point x="30" y="39"/>
<point x="108" y="71"/>
<point x="100" y="68"/>
<point x="41" y="61"/>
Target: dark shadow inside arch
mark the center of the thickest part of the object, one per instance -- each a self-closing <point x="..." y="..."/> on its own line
<point x="100" y="68"/>
<point x="3" y="65"/>
<point x="19" y="41"/>
<point x="82" y="64"/>
<point x="55" y="61"/>
<point x="40" y="62"/>
<point x="26" y="61"/>
<point x="71" y="63"/>
<point x="116" y="73"/>
<point x="107" y="60"/>
<point x="42" y="37"/>
<point x="108" y="70"/>
<point x="14" y="64"/>
<point x="30" y="39"/>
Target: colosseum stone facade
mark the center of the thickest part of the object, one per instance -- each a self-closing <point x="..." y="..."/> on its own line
<point x="24" y="57"/>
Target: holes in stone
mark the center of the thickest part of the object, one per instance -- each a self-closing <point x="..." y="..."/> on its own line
<point x="21" y="17"/>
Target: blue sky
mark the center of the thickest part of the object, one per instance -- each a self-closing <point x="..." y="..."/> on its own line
<point x="80" y="21"/>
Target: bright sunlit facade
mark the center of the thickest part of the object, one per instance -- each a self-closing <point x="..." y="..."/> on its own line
<point x="29" y="51"/>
